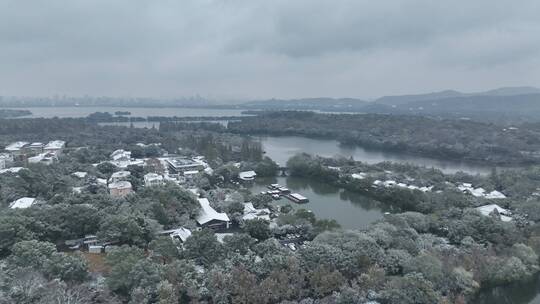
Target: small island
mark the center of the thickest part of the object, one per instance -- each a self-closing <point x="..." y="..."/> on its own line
<point x="10" y="113"/>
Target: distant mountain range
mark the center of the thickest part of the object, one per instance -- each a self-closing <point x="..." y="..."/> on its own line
<point x="508" y="104"/>
<point x="402" y="99"/>
<point x="506" y="91"/>
<point x="512" y="104"/>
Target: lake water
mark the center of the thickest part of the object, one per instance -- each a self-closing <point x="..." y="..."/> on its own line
<point x="351" y="210"/>
<point x="63" y="112"/>
<point x="518" y="293"/>
<point x="281" y="148"/>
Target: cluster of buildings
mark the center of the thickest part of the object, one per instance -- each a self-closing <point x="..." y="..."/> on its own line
<point x="36" y="152"/>
<point x="176" y="169"/>
<point x="480" y="192"/>
<point x="91" y="243"/>
<point x="393" y="183"/>
<point x="277" y="191"/>
<point x="169" y="168"/>
<point x="251" y="213"/>
<point x="387" y="183"/>
<point x="208" y="217"/>
<point x="464" y="187"/>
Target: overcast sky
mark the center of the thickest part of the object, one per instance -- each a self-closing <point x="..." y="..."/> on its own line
<point x="267" y="48"/>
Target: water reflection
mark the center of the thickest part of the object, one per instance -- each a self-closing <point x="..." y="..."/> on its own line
<point x="518" y="293"/>
<point x="282" y="148"/>
<point x="362" y="201"/>
<point x="350" y="210"/>
<point x="307" y="184"/>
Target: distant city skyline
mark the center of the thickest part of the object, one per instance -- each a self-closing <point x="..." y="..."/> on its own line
<point x="237" y="50"/>
<point x="511" y="91"/>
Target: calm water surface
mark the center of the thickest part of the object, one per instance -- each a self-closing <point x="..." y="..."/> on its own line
<point x="350" y="210"/>
<point x="63" y="112"/>
<point x="518" y="293"/>
<point x="281" y="148"/>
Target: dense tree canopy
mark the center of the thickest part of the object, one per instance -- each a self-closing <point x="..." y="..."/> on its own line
<point x="433" y="246"/>
<point x="456" y="139"/>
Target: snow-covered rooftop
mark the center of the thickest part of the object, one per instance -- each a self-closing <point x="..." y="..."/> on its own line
<point x="55" y="145"/>
<point x="80" y="174"/>
<point x="488" y="209"/>
<point x="392" y="183"/>
<point x="124" y="163"/>
<point x="250" y="213"/>
<point x="46" y="157"/>
<point x="495" y="195"/>
<point x="480" y="192"/>
<point x="77" y="189"/>
<point x="360" y="175"/>
<point x="16" y="146"/>
<point x="208" y="213"/>
<point x="182" y="233"/>
<point x="22" y="203"/>
<point x="36" y="145"/>
<point x="247" y="175"/>
<point x="120" y="154"/>
<point x="11" y="170"/>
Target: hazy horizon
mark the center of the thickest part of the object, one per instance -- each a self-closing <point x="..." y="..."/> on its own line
<point x="232" y="100"/>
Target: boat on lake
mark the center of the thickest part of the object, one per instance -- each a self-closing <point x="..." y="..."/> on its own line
<point x="297" y="198"/>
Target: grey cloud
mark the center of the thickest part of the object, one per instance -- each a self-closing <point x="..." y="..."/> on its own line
<point x="304" y="28"/>
<point x="261" y="49"/>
